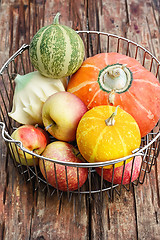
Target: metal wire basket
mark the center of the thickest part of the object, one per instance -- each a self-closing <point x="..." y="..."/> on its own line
<point x="95" y="42"/>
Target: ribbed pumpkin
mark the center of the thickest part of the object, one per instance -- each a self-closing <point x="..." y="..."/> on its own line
<point x="56" y="50"/>
<point x="116" y="79"/>
<point x="106" y="133"/>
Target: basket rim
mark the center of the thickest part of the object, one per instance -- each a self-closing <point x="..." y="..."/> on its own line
<point x="119" y="37"/>
<point x="25" y="46"/>
<point x="136" y="152"/>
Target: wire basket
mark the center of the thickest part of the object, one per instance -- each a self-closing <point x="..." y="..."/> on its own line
<point x="95" y="42"/>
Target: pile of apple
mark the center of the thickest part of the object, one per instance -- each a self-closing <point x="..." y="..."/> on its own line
<point x="61" y="114"/>
<point x="55" y="140"/>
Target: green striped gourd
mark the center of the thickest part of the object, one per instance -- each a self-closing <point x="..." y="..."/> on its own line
<point x="56" y="50"/>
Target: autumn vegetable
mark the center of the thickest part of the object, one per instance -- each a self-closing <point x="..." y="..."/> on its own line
<point x="116" y="79"/>
<point x="31" y="92"/>
<point x="106" y="133"/>
<point x="56" y="50"/>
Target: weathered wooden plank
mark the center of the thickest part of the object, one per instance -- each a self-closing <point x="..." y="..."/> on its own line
<point x="26" y="17"/>
<point x="16" y="200"/>
<point x="110" y="220"/>
<point x="114" y="17"/>
<point x="3" y="160"/>
<point x="3" y="186"/>
<point x="147" y="207"/>
<point x="127" y="218"/>
<point x="26" y="214"/>
<point x="145" y="30"/>
<point x="106" y="223"/>
<point x="60" y="219"/>
<point x="73" y="14"/>
<point x="19" y="205"/>
<point x="114" y="220"/>
<point x="4" y="30"/>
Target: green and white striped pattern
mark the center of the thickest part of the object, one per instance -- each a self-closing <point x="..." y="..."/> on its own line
<point x="56" y="51"/>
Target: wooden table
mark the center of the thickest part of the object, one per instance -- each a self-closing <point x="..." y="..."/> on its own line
<point x="26" y="214"/>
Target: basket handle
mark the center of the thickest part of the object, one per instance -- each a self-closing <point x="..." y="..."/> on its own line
<point x="7" y="137"/>
<point x="19" y="51"/>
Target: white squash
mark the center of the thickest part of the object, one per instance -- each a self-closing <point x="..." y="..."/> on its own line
<point x="31" y="92"/>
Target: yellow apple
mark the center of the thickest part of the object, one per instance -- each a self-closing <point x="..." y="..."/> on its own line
<point x="61" y="114"/>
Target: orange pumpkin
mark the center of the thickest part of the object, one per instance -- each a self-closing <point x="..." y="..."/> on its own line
<point x="116" y="79"/>
<point x="106" y="133"/>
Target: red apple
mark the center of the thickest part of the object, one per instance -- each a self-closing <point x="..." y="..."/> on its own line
<point x="107" y="173"/>
<point x="32" y="139"/>
<point x="61" y="114"/>
<point x="65" y="152"/>
<point x="46" y="134"/>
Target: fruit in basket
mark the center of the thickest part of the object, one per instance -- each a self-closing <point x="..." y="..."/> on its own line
<point x="32" y="139"/>
<point x="116" y="79"/>
<point x="31" y="92"/>
<point x="46" y="134"/>
<point x="56" y="50"/>
<point x="106" y="133"/>
<point x="61" y="114"/>
<point x="107" y="173"/>
<point x="63" y="152"/>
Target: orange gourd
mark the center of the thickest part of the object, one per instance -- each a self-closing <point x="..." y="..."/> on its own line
<point x="106" y="133"/>
<point x="116" y="79"/>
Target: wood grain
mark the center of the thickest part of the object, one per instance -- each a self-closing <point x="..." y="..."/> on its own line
<point x="29" y="214"/>
<point x="62" y="220"/>
<point x="3" y="180"/>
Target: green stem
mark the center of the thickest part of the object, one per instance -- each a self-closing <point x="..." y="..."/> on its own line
<point x="111" y="121"/>
<point x="56" y="18"/>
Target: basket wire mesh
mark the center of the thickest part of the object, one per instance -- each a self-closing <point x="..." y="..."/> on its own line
<point x="95" y="42"/>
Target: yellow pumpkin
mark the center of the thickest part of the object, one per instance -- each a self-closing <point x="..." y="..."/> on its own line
<point x="106" y="133"/>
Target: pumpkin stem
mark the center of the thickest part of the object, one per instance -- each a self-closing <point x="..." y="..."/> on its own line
<point x="111" y="121"/>
<point x="111" y="97"/>
<point x="56" y="18"/>
<point x="115" y="77"/>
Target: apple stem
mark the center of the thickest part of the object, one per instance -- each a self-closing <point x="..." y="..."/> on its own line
<point x="111" y="121"/>
<point x="77" y="154"/>
<point x="50" y="125"/>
